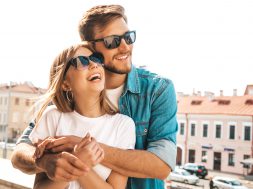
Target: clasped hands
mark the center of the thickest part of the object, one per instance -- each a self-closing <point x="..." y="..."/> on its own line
<point x="66" y="158"/>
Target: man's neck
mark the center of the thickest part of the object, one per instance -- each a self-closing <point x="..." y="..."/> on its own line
<point x="114" y="80"/>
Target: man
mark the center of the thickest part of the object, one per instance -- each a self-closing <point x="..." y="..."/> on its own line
<point x="147" y="98"/>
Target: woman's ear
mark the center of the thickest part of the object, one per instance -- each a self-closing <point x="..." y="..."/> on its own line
<point x="65" y="86"/>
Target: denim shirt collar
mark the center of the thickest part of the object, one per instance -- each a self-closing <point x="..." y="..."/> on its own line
<point x="133" y="83"/>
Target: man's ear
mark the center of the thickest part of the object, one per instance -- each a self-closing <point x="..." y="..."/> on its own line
<point x="65" y="86"/>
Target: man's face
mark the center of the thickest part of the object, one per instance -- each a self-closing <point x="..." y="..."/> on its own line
<point x="117" y="60"/>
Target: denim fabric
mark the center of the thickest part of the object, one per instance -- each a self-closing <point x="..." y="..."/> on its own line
<point x="24" y="138"/>
<point x="150" y="101"/>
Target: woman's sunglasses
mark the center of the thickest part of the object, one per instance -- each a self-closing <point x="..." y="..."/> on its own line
<point x="82" y="62"/>
<point x="113" y="41"/>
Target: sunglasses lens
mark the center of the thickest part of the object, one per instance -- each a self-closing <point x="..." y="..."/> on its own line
<point x="97" y="58"/>
<point x="130" y="37"/>
<point x="82" y="62"/>
<point x="112" y="42"/>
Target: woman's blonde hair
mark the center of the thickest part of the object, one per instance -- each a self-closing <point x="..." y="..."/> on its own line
<point x="56" y="95"/>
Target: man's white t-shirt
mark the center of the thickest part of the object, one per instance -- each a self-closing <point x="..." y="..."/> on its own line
<point x="114" y="95"/>
<point x="114" y="130"/>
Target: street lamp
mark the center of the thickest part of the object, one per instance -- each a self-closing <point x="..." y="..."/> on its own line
<point x="7" y="122"/>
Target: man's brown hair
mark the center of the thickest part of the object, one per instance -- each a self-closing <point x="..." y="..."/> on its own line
<point x="97" y="18"/>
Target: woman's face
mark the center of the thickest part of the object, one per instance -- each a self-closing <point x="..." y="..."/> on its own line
<point x="84" y="79"/>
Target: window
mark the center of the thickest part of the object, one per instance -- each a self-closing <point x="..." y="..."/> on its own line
<point x="231" y="132"/>
<point x="204" y="156"/>
<point x="223" y="102"/>
<point x="181" y="128"/>
<point x="191" y="156"/>
<point x="193" y="129"/>
<point x="196" y="102"/>
<point x="231" y="159"/>
<point x="16" y="101"/>
<point x="5" y="118"/>
<point x="205" y="130"/>
<point x="218" y="131"/>
<point x="249" y="102"/>
<point x="246" y="156"/>
<point x="27" y="102"/>
<point x="247" y="133"/>
<point x="14" y="133"/>
<point x="5" y="100"/>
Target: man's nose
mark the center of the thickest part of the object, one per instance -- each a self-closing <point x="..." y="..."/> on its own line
<point x="123" y="45"/>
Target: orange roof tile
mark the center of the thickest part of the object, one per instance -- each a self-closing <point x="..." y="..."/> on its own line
<point x="227" y="105"/>
<point x="23" y="88"/>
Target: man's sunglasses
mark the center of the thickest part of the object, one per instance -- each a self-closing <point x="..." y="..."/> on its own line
<point x="113" y="41"/>
<point x="82" y="62"/>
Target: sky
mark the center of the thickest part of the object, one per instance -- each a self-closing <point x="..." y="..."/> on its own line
<point x="200" y="45"/>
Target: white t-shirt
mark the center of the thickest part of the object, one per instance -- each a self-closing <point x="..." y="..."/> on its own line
<point x="114" y="130"/>
<point x="114" y="95"/>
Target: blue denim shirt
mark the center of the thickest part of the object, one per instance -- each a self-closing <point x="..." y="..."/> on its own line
<point x="151" y="102"/>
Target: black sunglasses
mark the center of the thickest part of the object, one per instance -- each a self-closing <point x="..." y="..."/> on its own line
<point x="82" y="62"/>
<point x="113" y="41"/>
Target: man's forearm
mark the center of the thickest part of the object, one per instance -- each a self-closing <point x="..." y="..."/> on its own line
<point x="135" y="163"/>
<point x="22" y="158"/>
<point x="42" y="181"/>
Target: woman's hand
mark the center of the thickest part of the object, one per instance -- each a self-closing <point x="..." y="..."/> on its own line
<point x="63" y="143"/>
<point x="89" y="151"/>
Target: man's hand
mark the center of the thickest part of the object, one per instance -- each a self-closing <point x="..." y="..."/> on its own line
<point x="63" y="143"/>
<point x="62" y="167"/>
<point x="89" y="151"/>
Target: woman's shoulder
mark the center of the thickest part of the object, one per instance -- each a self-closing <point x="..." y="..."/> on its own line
<point x="52" y="110"/>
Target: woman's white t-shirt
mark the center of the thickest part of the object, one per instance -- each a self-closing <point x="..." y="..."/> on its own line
<point x="114" y="130"/>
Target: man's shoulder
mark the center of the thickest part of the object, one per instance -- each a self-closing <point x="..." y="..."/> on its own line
<point x="150" y="78"/>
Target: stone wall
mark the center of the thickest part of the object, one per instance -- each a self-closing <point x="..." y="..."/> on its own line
<point x="7" y="185"/>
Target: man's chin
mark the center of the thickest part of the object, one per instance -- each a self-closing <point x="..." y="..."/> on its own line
<point x="117" y="71"/>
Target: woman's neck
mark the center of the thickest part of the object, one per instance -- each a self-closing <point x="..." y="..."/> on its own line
<point x="89" y="107"/>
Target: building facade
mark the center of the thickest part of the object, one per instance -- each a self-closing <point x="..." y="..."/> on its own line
<point x="16" y="102"/>
<point x="215" y="131"/>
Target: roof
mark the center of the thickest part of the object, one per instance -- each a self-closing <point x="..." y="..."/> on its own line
<point x="226" y="105"/>
<point x="22" y="88"/>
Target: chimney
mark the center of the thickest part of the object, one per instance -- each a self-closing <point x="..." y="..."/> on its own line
<point x="209" y="95"/>
<point x="235" y="92"/>
<point x="193" y="92"/>
<point x="221" y="92"/>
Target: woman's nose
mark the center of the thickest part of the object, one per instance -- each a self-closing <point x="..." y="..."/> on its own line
<point x="92" y="65"/>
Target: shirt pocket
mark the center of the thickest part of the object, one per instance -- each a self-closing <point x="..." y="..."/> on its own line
<point x="141" y="134"/>
<point x="142" y="128"/>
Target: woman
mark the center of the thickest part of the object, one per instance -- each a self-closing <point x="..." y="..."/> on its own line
<point x="80" y="108"/>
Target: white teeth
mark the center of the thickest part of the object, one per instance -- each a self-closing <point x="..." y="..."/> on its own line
<point x="122" y="57"/>
<point x="94" y="76"/>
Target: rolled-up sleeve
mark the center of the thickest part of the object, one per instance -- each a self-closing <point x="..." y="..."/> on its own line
<point x="163" y="124"/>
<point x="165" y="150"/>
